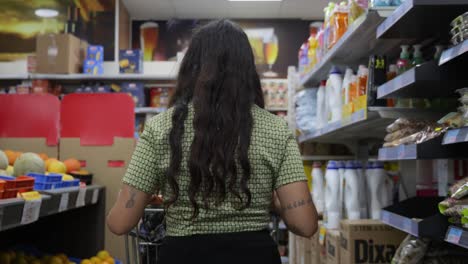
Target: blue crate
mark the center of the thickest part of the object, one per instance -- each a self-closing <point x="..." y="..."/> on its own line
<point x="57" y="185"/>
<point x="7" y="178"/>
<point x="42" y="186"/>
<point x="51" y="178"/>
<point x="73" y="183"/>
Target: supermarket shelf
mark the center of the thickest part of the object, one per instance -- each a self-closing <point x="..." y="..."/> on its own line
<point x="454" y="53"/>
<point x="457" y="236"/>
<point x="418" y="216"/>
<point x="327" y="157"/>
<point x="432" y="149"/>
<point x="418" y="19"/>
<point x="149" y="110"/>
<point x="89" y="77"/>
<point x="412" y="113"/>
<point x="423" y="81"/>
<point x="353" y="48"/>
<point x="456" y="136"/>
<point x="14" y="76"/>
<point x="53" y="202"/>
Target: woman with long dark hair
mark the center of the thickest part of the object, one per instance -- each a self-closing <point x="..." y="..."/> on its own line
<point x="219" y="160"/>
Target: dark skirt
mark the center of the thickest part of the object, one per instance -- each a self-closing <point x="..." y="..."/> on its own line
<point x="236" y="248"/>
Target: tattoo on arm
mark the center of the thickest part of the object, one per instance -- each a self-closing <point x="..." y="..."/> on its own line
<point x="297" y="204"/>
<point x="131" y="202"/>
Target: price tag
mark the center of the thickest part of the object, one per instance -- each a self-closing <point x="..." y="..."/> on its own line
<point x="454" y="235"/>
<point x="451" y="136"/>
<point x="80" y="200"/>
<point x="64" y="202"/>
<point x="32" y="207"/>
<point x="95" y="196"/>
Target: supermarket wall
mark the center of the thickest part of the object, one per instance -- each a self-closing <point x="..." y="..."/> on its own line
<point x="275" y="41"/>
<point x="88" y="20"/>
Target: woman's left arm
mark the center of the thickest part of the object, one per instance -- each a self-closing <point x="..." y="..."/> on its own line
<point x="127" y="210"/>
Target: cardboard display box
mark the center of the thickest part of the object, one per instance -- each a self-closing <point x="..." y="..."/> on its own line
<point x="368" y="241"/>
<point x="36" y="145"/>
<point x="108" y="165"/>
<point x="59" y="53"/>
<point x="333" y="247"/>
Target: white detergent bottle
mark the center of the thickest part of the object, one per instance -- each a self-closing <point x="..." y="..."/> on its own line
<point x="318" y="187"/>
<point x="345" y="87"/>
<point x="352" y="205"/>
<point x="362" y="190"/>
<point x="334" y="101"/>
<point x="341" y="172"/>
<point x="321" y="112"/>
<point x="332" y="193"/>
<point x="377" y="189"/>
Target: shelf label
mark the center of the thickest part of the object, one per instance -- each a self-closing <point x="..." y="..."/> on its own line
<point x="64" y="202"/>
<point x="95" y="196"/>
<point x="32" y="207"/>
<point x="451" y="136"/>
<point x="454" y="235"/>
<point x="80" y="200"/>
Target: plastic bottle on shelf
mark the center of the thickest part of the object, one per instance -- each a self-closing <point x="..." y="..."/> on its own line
<point x="328" y="95"/>
<point x="438" y="53"/>
<point x="417" y="55"/>
<point x="345" y="87"/>
<point x="334" y="94"/>
<point x="353" y="89"/>
<point x="351" y="200"/>
<point x="321" y="105"/>
<point x="339" y="22"/>
<point x="376" y="178"/>
<point x="318" y="186"/>
<point x="403" y="63"/>
<point x="332" y="193"/>
<point x="362" y="189"/>
<point x="328" y="31"/>
<point x="341" y="172"/>
<point x="303" y="59"/>
<point x="363" y="73"/>
<point x="312" y="45"/>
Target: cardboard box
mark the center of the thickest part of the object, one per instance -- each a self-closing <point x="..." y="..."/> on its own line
<point x="131" y="61"/>
<point x="36" y="145"/>
<point x="368" y="241"/>
<point x="108" y="165"/>
<point x="93" y="67"/>
<point x="95" y="53"/>
<point x="59" y="53"/>
<point x="136" y="91"/>
<point x="333" y="246"/>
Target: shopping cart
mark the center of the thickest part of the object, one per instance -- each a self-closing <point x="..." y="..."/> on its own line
<point x="141" y="244"/>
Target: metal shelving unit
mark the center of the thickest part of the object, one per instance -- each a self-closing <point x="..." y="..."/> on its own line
<point x="423" y="81"/>
<point x="432" y="149"/>
<point x="454" y="53"/>
<point x="456" y="136"/>
<point x="354" y="47"/>
<point x="420" y="19"/>
<point x="457" y="236"/>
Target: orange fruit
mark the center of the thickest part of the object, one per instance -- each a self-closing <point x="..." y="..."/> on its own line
<point x="12" y="156"/>
<point x="43" y="156"/>
<point x="103" y="254"/>
<point x="96" y="260"/>
<point x="48" y="161"/>
<point x="57" y="167"/>
<point x="109" y="260"/>
<point x="72" y="165"/>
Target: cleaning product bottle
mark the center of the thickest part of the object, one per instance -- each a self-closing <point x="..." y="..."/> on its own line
<point x="403" y="62"/>
<point x="417" y="55"/>
<point x="345" y="86"/>
<point x="362" y="190"/>
<point x="321" y="112"/>
<point x="341" y="172"/>
<point x="318" y="185"/>
<point x="377" y="189"/>
<point x="352" y="183"/>
<point x="353" y="90"/>
<point x="332" y="196"/>
<point x="363" y="73"/>
<point x="334" y="97"/>
<point x="303" y="59"/>
<point x="312" y="43"/>
<point x="328" y="95"/>
<point x="339" y="20"/>
<point x="391" y="74"/>
<point x="438" y="53"/>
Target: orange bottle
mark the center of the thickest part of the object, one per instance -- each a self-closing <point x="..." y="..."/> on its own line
<point x="353" y="89"/>
<point x="362" y="86"/>
<point x="340" y="23"/>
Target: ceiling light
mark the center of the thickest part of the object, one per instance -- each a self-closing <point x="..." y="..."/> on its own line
<point x="255" y="0"/>
<point x="46" y="12"/>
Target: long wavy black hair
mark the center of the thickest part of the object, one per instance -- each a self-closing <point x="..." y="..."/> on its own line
<point x="218" y="75"/>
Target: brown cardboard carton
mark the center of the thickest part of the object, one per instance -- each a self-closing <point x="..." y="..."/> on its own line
<point x="333" y="247"/>
<point x="315" y="249"/>
<point x="368" y="241"/>
<point x="97" y="159"/>
<point x="36" y="145"/>
<point x="59" y="53"/>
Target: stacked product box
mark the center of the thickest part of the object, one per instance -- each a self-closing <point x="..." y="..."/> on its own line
<point x="93" y="63"/>
<point x="131" y="61"/>
<point x="136" y="91"/>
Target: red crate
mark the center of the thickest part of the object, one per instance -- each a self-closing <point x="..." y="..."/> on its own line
<point x="13" y="193"/>
<point x="1" y="195"/>
<point x="24" y="182"/>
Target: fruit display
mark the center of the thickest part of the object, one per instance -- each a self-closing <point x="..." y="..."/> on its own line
<point x="20" y="257"/>
<point x="3" y="160"/>
<point x="28" y="162"/>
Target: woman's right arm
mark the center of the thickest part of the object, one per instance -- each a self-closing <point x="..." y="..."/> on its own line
<point x="294" y="200"/>
<point x="297" y="209"/>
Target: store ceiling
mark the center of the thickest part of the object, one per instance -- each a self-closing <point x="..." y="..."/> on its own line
<point x="166" y="9"/>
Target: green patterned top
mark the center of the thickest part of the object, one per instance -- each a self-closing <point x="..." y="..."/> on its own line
<point x="275" y="161"/>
